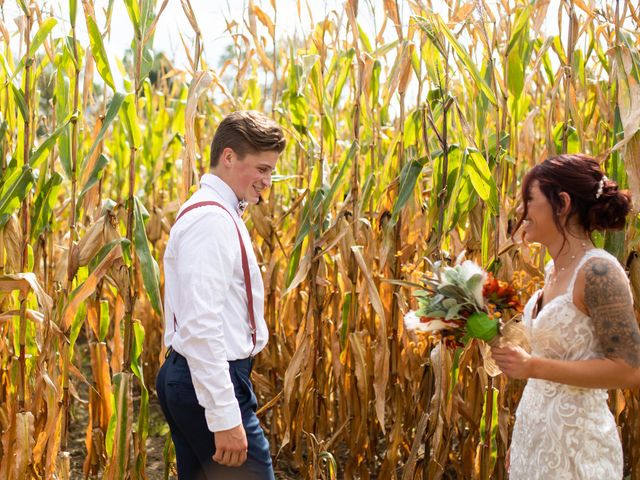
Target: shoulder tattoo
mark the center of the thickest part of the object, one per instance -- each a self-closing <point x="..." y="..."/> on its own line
<point x="608" y="300"/>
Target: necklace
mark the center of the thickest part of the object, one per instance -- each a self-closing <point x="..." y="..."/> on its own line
<point x="559" y="270"/>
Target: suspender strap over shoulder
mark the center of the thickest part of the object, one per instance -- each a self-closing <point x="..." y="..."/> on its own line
<point x="245" y="266"/>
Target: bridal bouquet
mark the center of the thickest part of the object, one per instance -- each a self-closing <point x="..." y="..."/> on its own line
<point x="466" y="302"/>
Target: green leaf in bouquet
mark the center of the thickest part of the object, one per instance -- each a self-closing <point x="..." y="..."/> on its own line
<point x="454" y="291"/>
<point x="449" y="302"/>
<point x="479" y="325"/>
<point x="429" y="311"/>
<point x="474" y="288"/>
<point x="451" y="275"/>
<point x="422" y="294"/>
<point x="453" y="312"/>
<point x="437" y="298"/>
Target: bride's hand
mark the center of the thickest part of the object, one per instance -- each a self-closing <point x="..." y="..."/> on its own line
<point x="513" y="361"/>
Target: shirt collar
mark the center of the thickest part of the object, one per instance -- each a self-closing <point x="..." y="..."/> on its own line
<point x="224" y="190"/>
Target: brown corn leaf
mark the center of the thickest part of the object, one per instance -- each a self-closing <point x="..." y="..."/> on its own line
<point x="102" y="379"/>
<point x="12" y="237"/>
<point x="300" y="357"/>
<point x="88" y="287"/>
<point x="118" y="466"/>
<point x="264" y="19"/>
<point x="202" y="80"/>
<point x="24" y="424"/>
<point x="97" y="236"/>
<point x="634" y="276"/>
<point x="24" y="282"/>
<point x="303" y="270"/>
<point x="47" y="438"/>
<point x="461" y="14"/>
<point x="390" y="7"/>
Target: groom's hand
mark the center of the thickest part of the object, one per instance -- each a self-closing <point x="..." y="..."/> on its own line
<point x="231" y="446"/>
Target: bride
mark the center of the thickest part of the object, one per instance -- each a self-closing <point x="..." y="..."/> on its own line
<point x="584" y="334"/>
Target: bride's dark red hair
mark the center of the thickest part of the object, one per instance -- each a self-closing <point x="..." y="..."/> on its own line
<point x="580" y="177"/>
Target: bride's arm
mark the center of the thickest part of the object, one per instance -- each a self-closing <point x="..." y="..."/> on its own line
<point x="603" y="291"/>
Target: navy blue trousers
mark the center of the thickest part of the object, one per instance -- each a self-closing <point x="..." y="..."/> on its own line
<point x="194" y="442"/>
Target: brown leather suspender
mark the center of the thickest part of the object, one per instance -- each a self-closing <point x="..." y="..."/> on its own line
<point x="245" y="267"/>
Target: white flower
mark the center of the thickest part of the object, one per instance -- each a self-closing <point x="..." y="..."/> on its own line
<point x="412" y="322"/>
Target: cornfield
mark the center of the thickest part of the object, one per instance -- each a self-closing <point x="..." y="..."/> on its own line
<point x="406" y="141"/>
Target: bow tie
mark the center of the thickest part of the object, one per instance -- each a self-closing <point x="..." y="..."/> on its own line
<point x="242" y="206"/>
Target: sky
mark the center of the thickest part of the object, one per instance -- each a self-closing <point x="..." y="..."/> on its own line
<point x="212" y="16"/>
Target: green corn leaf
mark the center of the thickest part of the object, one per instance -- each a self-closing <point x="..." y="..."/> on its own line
<point x="112" y="112"/>
<point x="44" y="30"/>
<point x="136" y="353"/>
<point x="130" y="121"/>
<point x="485" y="239"/>
<point x="375" y="81"/>
<point x="44" y="204"/>
<point x="142" y="429"/>
<point x="14" y="191"/>
<point x="466" y="59"/>
<point x="95" y="174"/>
<point x="68" y="51"/>
<point x="339" y="177"/>
<point x="76" y="325"/>
<point x="150" y="271"/>
<point x="481" y="179"/>
<point x="45" y="147"/>
<point x="73" y="12"/>
<point x="345" y="69"/>
<point x="147" y="63"/>
<point x="408" y="178"/>
<point x="515" y="76"/>
<point x="99" y="52"/>
<point x="134" y="16"/>
<point x="23" y="6"/>
<point x="493" y="392"/>
<point x="20" y="101"/>
<point x="521" y="23"/>
<point x="121" y="430"/>
<point x="104" y="320"/>
<point x="364" y="39"/>
<point x="3" y="129"/>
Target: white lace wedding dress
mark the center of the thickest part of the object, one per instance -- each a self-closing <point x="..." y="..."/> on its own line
<point x="563" y="432"/>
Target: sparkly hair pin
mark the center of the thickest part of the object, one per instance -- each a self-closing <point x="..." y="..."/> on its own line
<point x="601" y="186"/>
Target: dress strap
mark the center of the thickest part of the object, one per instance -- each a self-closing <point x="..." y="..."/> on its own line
<point x="589" y="254"/>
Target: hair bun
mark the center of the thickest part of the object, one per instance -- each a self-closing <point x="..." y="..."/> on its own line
<point x="610" y="210"/>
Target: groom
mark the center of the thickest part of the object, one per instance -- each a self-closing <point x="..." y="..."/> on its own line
<point x="214" y="310"/>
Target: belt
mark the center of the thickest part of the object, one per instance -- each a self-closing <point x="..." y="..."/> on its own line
<point x="241" y="363"/>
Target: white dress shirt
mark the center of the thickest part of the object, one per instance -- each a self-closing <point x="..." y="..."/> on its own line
<point x="204" y="288"/>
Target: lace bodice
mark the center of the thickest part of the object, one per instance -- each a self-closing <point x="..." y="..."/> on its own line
<point x="561" y="431"/>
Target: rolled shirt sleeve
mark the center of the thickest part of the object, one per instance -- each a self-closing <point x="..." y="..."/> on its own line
<point x="206" y="254"/>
